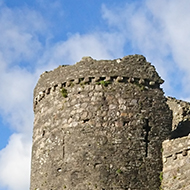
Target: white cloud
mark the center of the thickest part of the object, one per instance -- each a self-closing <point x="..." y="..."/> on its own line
<point x="16" y="108"/>
<point x="175" y="17"/>
<point x="19" y="34"/>
<point x="15" y="168"/>
<point x="96" y="45"/>
<point x="160" y="31"/>
<point x="19" y="47"/>
<point x="16" y="96"/>
<point x="19" y="44"/>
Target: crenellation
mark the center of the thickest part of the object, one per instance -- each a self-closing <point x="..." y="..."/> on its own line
<point x="176" y="146"/>
<point x="181" y="111"/>
<point x="176" y="158"/>
<point x="143" y="84"/>
<point x="103" y="125"/>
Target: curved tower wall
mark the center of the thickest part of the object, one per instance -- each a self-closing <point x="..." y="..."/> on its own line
<point x="99" y="125"/>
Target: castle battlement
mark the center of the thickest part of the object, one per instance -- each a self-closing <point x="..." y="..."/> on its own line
<point x="176" y="159"/>
<point x="104" y="125"/>
<point x="103" y="80"/>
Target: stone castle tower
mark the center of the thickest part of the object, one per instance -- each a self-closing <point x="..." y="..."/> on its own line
<point x="99" y="125"/>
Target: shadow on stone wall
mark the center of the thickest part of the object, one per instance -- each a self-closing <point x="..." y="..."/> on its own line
<point x="182" y="130"/>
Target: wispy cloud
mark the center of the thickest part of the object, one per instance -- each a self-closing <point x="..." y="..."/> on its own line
<point x="160" y="31"/>
<point x="16" y="96"/>
<point x="20" y="30"/>
<point x="97" y="45"/>
<point x="19" y="47"/>
<point x="23" y="56"/>
<point x="175" y="17"/>
<point x="14" y="163"/>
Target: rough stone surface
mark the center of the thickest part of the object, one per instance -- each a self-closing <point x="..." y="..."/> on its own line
<point x="176" y="151"/>
<point x="176" y="164"/>
<point x="180" y="109"/>
<point x="99" y="125"/>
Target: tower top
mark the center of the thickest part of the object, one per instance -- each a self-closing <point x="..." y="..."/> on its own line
<point x="131" y="66"/>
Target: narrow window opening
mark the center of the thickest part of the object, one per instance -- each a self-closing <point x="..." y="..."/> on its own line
<point x="146" y="139"/>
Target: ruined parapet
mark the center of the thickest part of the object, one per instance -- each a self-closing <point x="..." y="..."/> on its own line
<point x="176" y="151"/>
<point x="176" y="167"/>
<point x="180" y="109"/>
<point x="99" y="125"/>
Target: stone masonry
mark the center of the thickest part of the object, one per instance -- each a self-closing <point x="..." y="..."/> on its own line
<point x="176" y="150"/>
<point x="100" y="125"/>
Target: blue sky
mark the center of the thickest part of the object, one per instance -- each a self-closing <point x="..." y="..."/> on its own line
<point x="40" y="35"/>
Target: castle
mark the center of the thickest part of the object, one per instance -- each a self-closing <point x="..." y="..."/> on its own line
<point x="106" y="125"/>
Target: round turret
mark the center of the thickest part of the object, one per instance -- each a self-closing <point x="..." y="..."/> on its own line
<point x="99" y="125"/>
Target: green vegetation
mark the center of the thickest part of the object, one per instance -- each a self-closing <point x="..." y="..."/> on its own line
<point x="82" y="82"/>
<point x="161" y="178"/>
<point x="119" y="171"/>
<point x="64" y="92"/>
<point x="142" y="88"/>
<point x="72" y="84"/>
<point x="104" y="83"/>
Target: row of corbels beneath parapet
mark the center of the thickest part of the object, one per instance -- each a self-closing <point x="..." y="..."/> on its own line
<point x="174" y="156"/>
<point x="103" y="80"/>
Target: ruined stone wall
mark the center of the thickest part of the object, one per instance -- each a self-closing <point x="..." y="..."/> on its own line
<point x="180" y="110"/>
<point x="176" y="151"/>
<point x="176" y="164"/>
<point x="99" y="125"/>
